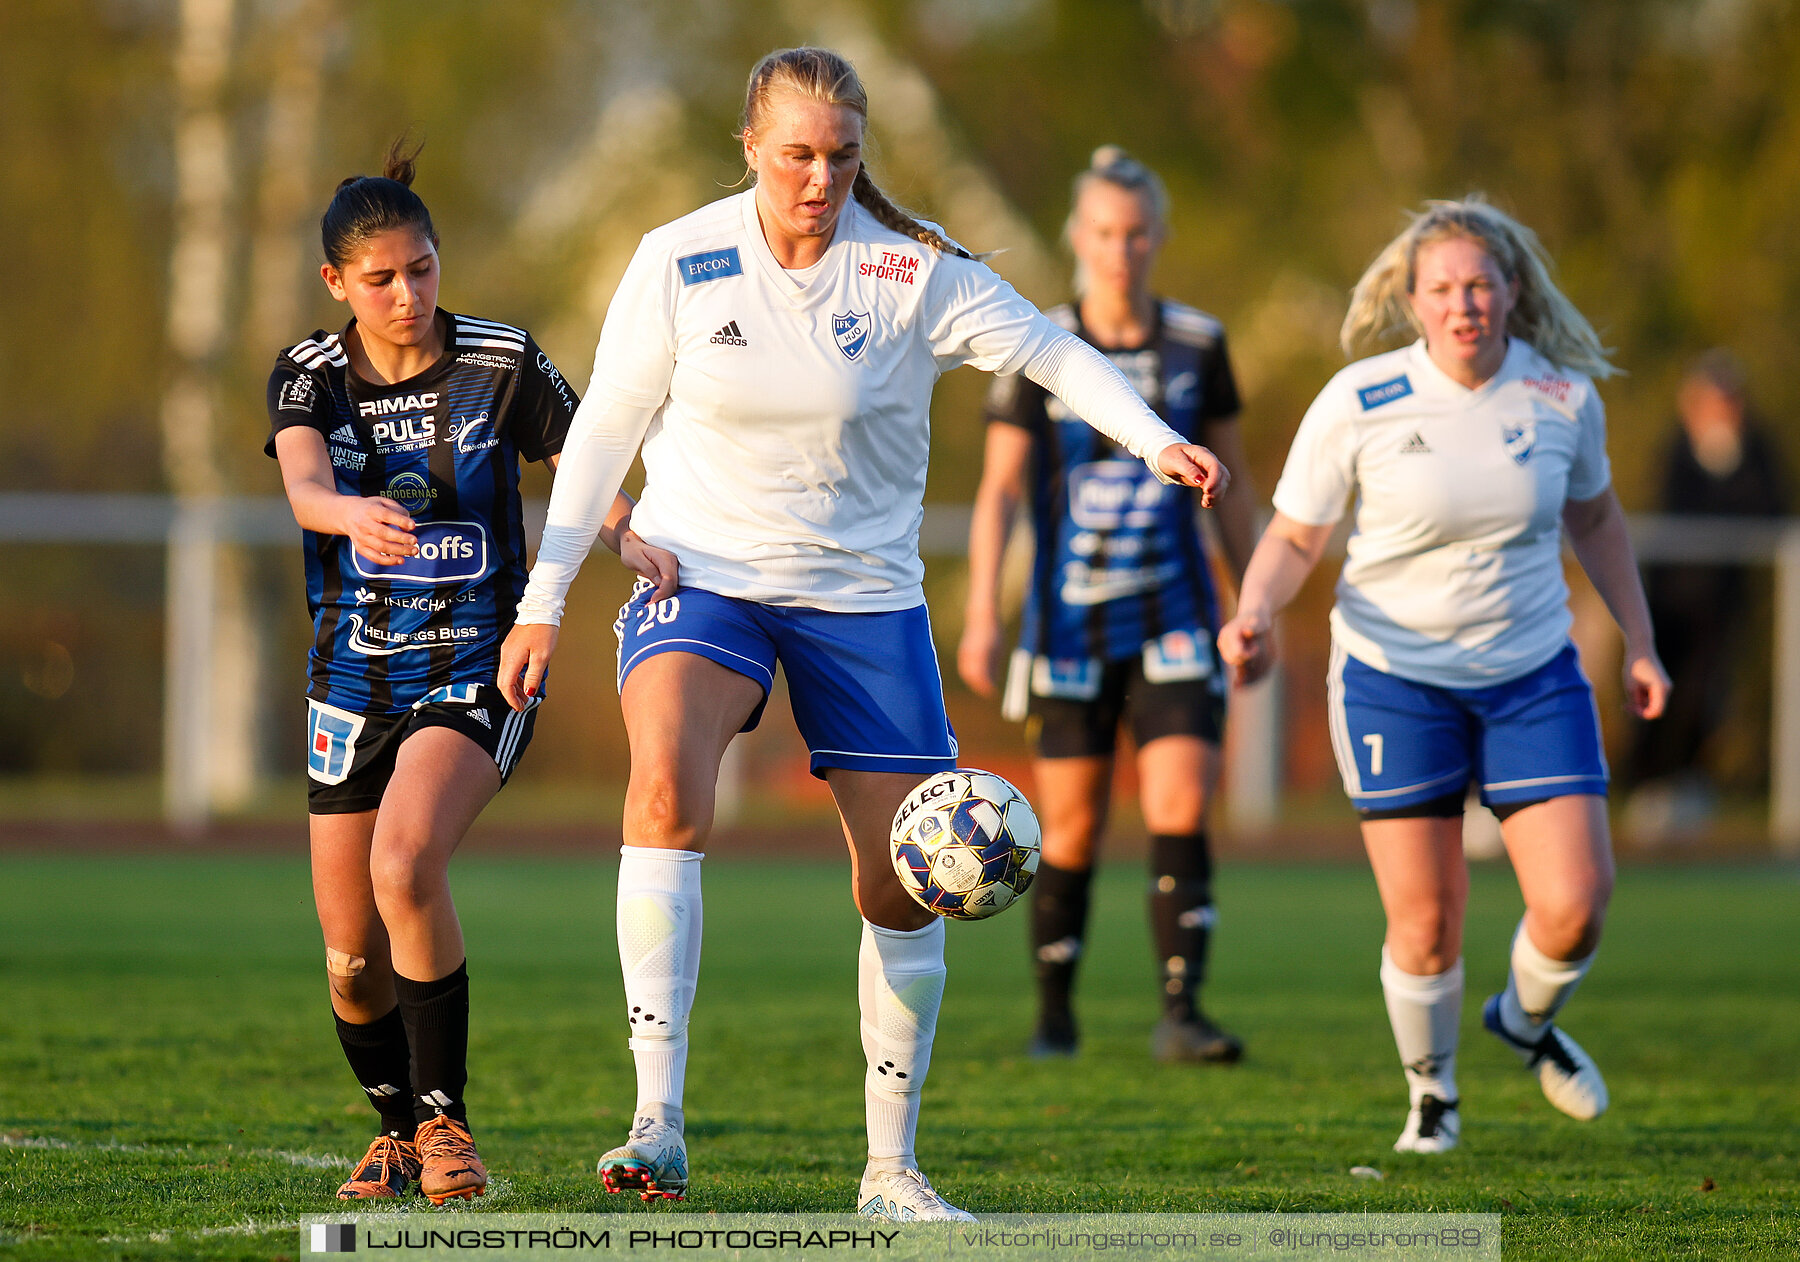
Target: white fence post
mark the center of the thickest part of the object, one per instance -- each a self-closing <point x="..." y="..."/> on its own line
<point x="1784" y="756"/>
<point x="728" y="797"/>
<point x="1256" y="734"/>
<point x="190" y="598"/>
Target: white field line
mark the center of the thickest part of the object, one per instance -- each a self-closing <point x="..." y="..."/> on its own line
<point x="497" y="1189"/>
<point x="311" y="1161"/>
<point x="249" y="1227"/>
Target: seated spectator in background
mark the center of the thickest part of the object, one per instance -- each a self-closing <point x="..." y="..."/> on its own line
<point x="1719" y="462"/>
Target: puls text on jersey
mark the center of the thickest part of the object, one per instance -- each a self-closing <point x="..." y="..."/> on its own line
<point x="410" y="425"/>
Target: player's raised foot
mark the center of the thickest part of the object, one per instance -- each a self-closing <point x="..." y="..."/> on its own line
<point x="1195" y="1040"/>
<point x="1054" y="1037"/>
<point x="1568" y="1075"/>
<point x="451" y="1167"/>
<point x="383" y="1173"/>
<point x="905" y="1196"/>
<point x="1433" y="1125"/>
<point x="651" y="1162"/>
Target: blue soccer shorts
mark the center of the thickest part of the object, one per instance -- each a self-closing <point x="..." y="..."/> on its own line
<point x="1400" y="743"/>
<point x="864" y="687"/>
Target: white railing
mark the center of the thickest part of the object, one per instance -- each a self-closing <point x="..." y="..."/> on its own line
<point x="193" y="530"/>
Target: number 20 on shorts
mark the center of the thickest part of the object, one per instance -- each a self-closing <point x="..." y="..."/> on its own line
<point x="663" y="611"/>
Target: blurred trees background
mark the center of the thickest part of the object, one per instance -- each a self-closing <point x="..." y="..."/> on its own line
<point x="1653" y="144"/>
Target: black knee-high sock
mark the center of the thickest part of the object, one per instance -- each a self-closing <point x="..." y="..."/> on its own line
<point x="437" y="1027"/>
<point x="1181" y="916"/>
<point x="379" y="1058"/>
<point x="1059" y="911"/>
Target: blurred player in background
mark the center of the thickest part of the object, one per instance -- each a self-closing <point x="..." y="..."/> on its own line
<point x="1120" y="615"/>
<point x="774" y="353"/>
<point x="1719" y="462"/>
<point x="1471" y="451"/>
<point x="399" y="439"/>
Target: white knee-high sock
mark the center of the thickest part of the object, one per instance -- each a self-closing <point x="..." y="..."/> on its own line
<point x="659" y="954"/>
<point x="900" y="983"/>
<point x="1425" y="1012"/>
<point x="1537" y="987"/>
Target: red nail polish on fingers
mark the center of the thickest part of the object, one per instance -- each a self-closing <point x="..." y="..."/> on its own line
<point x="531" y="690"/>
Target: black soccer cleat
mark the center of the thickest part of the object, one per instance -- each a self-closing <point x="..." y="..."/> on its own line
<point x="1196" y="1041"/>
<point x="1568" y="1075"/>
<point x="1054" y="1038"/>
<point x="1432" y="1126"/>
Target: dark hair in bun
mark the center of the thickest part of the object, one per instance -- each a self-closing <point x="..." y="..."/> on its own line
<point x="366" y="206"/>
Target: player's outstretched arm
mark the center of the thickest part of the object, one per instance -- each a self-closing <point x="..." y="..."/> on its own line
<point x="1602" y="544"/>
<point x="1096" y="391"/>
<point x="1004" y="462"/>
<point x="377" y="527"/>
<point x="1193" y="465"/>
<point x="1284" y="556"/>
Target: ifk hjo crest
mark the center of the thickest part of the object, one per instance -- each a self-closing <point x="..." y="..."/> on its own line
<point x="851" y="332"/>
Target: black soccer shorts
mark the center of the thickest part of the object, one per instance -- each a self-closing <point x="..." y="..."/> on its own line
<point x="1061" y="727"/>
<point x="350" y="756"/>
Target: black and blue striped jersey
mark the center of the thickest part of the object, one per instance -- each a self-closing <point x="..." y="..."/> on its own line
<point x="1119" y="560"/>
<point x="446" y="446"/>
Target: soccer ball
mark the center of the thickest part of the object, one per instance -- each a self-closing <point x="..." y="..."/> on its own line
<point x="965" y="844"/>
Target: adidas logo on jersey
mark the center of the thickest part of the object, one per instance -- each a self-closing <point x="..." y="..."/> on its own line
<point x="1415" y="444"/>
<point x="730" y="335"/>
<point x="345" y="434"/>
<point x="481" y="717"/>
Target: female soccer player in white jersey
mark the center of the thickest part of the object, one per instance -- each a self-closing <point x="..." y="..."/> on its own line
<point x="1472" y="450"/>
<point x="775" y="352"/>
<point x="1120" y="614"/>
<point x="399" y="439"/>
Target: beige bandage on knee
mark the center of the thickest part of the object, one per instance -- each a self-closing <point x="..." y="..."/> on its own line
<point x="343" y="964"/>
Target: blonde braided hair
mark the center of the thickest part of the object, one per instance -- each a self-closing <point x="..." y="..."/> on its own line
<point x="822" y="75"/>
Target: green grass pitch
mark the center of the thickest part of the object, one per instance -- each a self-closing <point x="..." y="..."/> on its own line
<point x="170" y="1088"/>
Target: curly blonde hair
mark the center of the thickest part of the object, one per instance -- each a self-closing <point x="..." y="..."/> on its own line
<point x="1381" y="308"/>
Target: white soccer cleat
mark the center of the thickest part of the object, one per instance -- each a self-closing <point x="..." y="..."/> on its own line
<point x="1568" y="1075"/>
<point x="651" y="1162"/>
<point x="1432" y="1126"/>
<point x="905" y="1196"/>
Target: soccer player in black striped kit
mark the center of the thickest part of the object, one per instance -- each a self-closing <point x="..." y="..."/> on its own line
<point x="399" y="439"/>
<point x="1119" y="616"/>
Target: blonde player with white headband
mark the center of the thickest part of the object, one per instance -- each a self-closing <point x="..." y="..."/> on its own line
<point x="775" y="353"/>
<point x="1472" y="450"/>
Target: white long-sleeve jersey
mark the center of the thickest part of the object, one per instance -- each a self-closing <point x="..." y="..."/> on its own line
<point x="785" y="417"/>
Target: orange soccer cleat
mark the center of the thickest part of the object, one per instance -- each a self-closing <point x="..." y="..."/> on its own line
<point x="383" y="1173"/>
<point x="452" y="1167"/>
